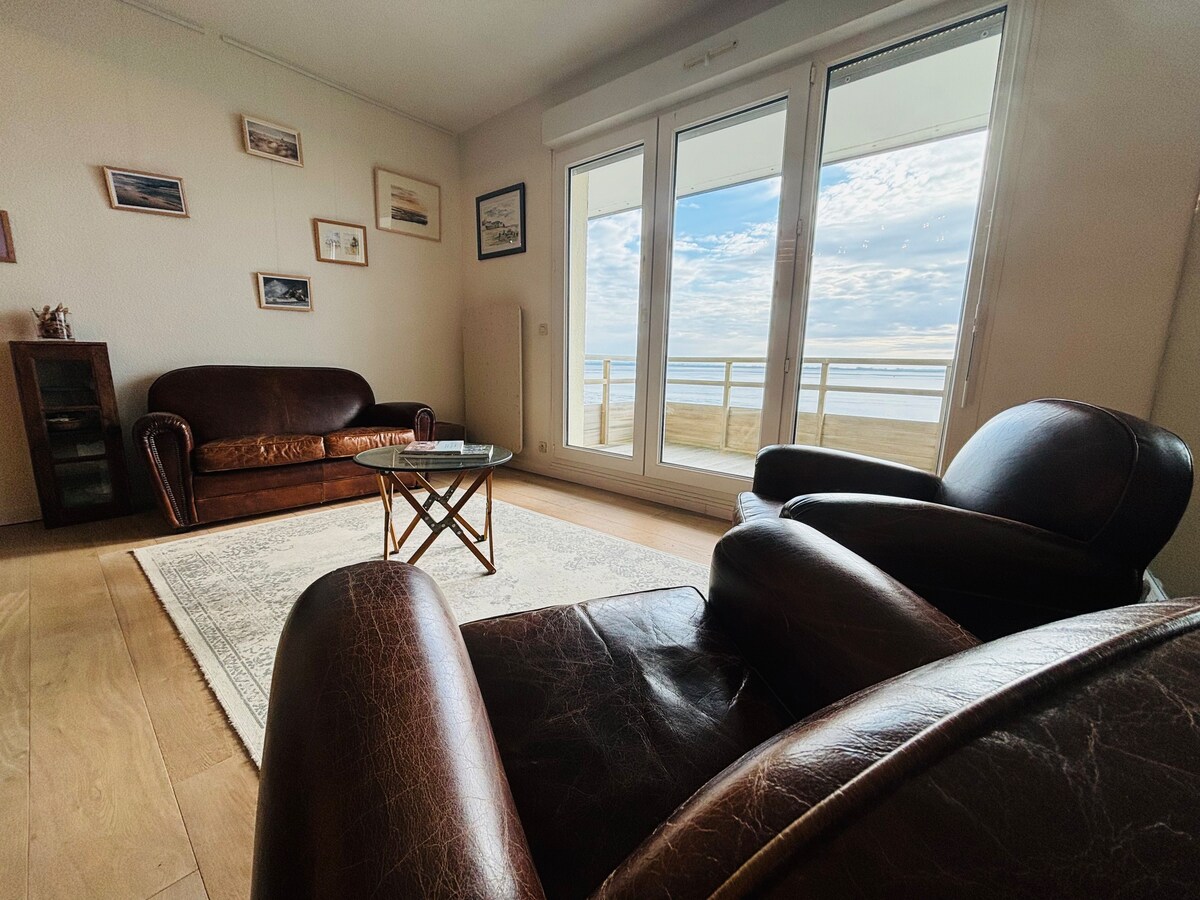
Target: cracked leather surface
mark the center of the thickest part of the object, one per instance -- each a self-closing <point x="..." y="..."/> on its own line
<point x="608" y="714"/>
<point x="349" y="441"/>
<point x="1023" y="767"/>
<point x="258" y="451"/>
<point x="776" y="741"/>
<point x="380" y="776"/>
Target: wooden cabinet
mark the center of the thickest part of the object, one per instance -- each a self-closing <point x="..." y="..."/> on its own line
<point x="73" y="429"/>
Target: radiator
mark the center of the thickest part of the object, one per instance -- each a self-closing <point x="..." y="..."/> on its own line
<point x="492" y="375"/>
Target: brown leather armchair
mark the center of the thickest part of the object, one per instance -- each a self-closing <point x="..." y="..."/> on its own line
<point x="1052" y="508"/>
<point x="814" y="729"/>
<point x="227" y="441"/>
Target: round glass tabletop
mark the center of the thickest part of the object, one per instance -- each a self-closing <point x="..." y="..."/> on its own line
<point x="394" y="459"/>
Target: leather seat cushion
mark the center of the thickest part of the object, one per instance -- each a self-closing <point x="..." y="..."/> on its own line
<point x="608" y="715"/>
<point x="752" y="506"/>
<point x="349" y="441"/>
<point x="257" y="451"/>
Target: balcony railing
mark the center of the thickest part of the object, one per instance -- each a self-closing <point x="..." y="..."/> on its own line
<point x="729" y="428"/>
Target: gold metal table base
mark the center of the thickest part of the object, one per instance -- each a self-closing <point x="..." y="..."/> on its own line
<point x="453" y="521"/>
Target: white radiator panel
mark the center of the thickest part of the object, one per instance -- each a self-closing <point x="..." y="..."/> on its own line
<point x="492" y="375"/>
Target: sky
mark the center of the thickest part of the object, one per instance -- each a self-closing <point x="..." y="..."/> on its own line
<point x="891" y="248"/>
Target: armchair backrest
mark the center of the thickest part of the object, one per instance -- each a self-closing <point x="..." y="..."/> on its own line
<point x="1062" y="761"/>
<point x="232" y="401"/>
<point x="1102" y="477"/>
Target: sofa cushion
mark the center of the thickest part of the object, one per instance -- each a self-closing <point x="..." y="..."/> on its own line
<point x="752" y="506"/>
<point x="258" y="450"/>
<point x="348" y="441"/>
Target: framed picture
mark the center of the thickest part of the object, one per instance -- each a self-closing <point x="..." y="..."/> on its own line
<point x="271" y="141"/>
<point x="407" y="206"/>
<point x="145" y="192"/>
<point x="7" y="253"/>
<point x="500" y="222"/>
<point x="292" y="292"/>
<point x="340" y="242"/>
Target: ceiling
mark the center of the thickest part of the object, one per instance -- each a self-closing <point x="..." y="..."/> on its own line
<point x="453" y="63"/>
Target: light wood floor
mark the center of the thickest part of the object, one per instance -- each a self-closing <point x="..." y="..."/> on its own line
<point x="119" y="776"/>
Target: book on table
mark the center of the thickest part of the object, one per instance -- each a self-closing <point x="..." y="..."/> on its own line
<point x="447" y="450"/>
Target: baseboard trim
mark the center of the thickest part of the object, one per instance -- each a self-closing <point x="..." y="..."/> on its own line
<point x="20" y="515"/>
<point x="718" y="505"/>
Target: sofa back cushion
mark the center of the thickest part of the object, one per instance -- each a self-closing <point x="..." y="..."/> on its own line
<point x="232" y="401"/>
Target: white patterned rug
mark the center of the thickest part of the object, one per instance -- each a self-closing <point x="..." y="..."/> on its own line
<point x="230" y="592"/>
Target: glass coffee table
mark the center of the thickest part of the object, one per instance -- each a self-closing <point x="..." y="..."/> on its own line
<point x="390" y="464"/>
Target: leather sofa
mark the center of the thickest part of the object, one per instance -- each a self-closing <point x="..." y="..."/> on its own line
<point x="228" y="441"/>
<point x="813" y="729"/>
<point x="1052" y="508"/>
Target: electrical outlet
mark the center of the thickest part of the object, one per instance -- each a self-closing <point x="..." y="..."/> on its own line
<point x="543" y="447"/>
<point x="543" y="328"/>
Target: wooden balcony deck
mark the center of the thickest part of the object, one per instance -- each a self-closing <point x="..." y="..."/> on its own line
<point x="725" y="437"/>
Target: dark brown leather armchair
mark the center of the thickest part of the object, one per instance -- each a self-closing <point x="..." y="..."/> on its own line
<point x="1052" y="508"/>
<point x="814" y="729"/>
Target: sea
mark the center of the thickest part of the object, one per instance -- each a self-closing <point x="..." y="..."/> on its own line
<point x="885" y="406"/>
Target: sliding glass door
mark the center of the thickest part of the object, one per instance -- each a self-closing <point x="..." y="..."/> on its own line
<point x="902" y="161"/>
<point x="606" y="188"/>
<point x="732" y="278"/>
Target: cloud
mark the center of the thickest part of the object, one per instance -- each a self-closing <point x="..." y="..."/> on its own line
<point x="890" y="255"/>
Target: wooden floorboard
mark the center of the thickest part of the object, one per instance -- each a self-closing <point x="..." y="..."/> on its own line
<point x="14" y="719"/>
<point x="119" y="774"/>
<point x="103" y="817"/>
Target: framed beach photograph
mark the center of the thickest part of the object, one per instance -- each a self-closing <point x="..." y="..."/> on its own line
<point x="145" y="192"/>
<point x="271" y="141"/>
<point x="407" y="206"/>
<point x="500" y="222"/>
<point x="340" y="242"/>
<point x="7" y="253"/>
<point x="292" y="292"/>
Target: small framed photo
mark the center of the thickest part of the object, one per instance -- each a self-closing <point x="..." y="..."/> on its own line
<point x="292" y="292"/>
<point x="271" y="141"/>
<point x="145" y="192"/>
<point x="7" y="253"/>
<point x="340" y="242"/>
<point x="500" y="222"/>
<point x="407" y="206"/>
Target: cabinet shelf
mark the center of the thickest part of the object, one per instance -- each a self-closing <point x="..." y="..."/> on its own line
<point x="78" y="460"/>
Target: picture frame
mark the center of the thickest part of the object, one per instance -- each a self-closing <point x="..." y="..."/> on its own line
<point x="273" y="141"/>
<point x="500" y="222"/>
<point x="292" y="293"/>
<point x="145" y="192"/>
<point x="7" y="253"/>
<point x="343" y="243"/>
<point x="407" y="205"/>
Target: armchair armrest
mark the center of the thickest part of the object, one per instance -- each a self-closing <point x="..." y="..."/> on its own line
<point x="417" y="416"/>
<point x="166" y="443"/>
<point x="817" y="621"/>
<point x="380" y="776"/>
<point x="993" y="575"/>
<point x="784" y="471"/>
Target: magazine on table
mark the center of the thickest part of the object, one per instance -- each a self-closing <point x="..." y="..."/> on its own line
<point x="447" y="450"/>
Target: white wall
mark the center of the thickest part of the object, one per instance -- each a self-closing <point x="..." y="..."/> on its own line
<point x="1177" y="406"/>
<point x="101" y="83"/>
<point x="1099" y="187"/>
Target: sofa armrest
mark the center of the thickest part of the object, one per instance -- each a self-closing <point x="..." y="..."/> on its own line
<point x="995" y="576"/>
<point x="165" y="440"/>
<point x="417" y="416"/>
<point x="784" y="471"/>
<point x="817" y="621"/>
<point x="380" y="775"/>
